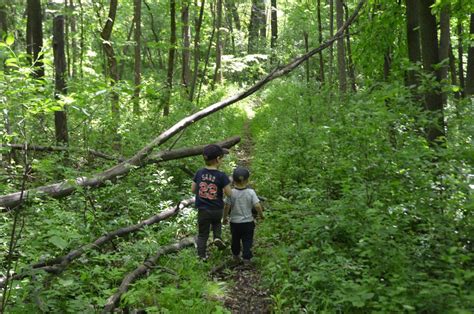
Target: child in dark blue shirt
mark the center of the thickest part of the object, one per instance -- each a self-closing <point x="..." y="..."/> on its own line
<point x="209" y="185"/>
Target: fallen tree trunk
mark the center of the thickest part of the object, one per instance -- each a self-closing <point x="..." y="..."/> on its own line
<point x="143" y="269"/>
<point x="58" y="264"/>
<point x="65" y="187"/>
<point x="39" y="148"/>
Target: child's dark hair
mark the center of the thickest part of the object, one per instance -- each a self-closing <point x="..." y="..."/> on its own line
<point x="240" y="174"/>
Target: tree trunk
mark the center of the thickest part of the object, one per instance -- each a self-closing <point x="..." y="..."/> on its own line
<point x="331" y="33"/>
<point x="197" y="50"/>
<point x="35" y="36"/>
<point x="257" y="27"/>
<point x="139" y="159"/>
<point x="470" y="61"/>
<point x="218" y="70"/>
<point x="138" y="55"/>
<point x="429" y="52"/>
<point x="341" y="54"/>
<point x="67" y="15"/>
<point x="171" y="53"/>
<point x="460" y="61"/>
<point x="112" y="69"/>
<point x="3" y="20"/>
<point x="413" y="38"/>
<point x="444" y="41"/>
<point x="186" y="73"/>
<point x="143" y="270"/>
<point x="320" y="40"/>
<point x="235" y="14"/>
<point x="81" y="40"/>
<point x="274" y="24"/>
<point x="306" y="47"/>
<point x="350" y="63"/>
<point x="73" y="38"/>
<point x="65" y="188"/>
<point x="60" y="117"/>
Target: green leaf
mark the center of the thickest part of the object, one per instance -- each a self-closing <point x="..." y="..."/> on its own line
<point x="10" y="40"/>
<point x="58" y="242"/>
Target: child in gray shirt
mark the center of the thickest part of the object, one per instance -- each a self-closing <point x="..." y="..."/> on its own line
<point x="240" y="205"/>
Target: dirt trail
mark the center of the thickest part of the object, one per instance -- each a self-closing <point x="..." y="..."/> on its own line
<point x="246" y="295"/>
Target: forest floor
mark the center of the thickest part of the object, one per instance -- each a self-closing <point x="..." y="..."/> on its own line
<point x="246" y="294"/>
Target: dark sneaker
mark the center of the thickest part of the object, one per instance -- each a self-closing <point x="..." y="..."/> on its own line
<point x="236" y="258"/>
<point x="219" y="243"/>
<point x="203" y="258"/>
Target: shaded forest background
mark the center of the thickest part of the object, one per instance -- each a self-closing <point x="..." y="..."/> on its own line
<point x="362" y="149"/>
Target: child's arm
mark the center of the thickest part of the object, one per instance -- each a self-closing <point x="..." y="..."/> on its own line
<point x="227" y="190"/>
<point x="194" y="187"/>
<point x="225" y="218"/>
<point x="259" y="209"/>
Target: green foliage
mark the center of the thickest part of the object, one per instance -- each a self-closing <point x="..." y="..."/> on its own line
<point x="365" y="221"/>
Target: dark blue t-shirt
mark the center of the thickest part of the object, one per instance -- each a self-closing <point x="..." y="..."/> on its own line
<point x="210" y="188"/>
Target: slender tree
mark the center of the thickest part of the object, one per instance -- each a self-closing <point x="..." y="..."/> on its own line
<point x="331" y="34"/>
<point x="186" y="37"/>
<point x="74" y="48"/>
<point x="218" y="70"/>
<point x="320" y="40"/>
<point x="430" y="57"/>
<point x="197" y="50"/>
<point x="35" y="36"/>
<point x="341" y="54"/>
<point x="274" y="24"/>
<point x="257" y="27"/>
<point x="470" y="61"/>
<point x="137" y="4"/>
<point x="171" y="54"/>
<point x="60" y="117"/>
<point x="3" y="20"/>
<point x="413" y="38"/>
<point x="113" y="72"/>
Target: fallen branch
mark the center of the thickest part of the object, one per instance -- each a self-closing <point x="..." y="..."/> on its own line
<point x="58" y="264"/>
<point x="67" y="187"/>
<point x="39" y="148"/>
<point x="143" y="269"/>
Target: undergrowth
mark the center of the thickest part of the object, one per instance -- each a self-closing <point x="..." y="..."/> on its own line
<point x="365" y="216"/>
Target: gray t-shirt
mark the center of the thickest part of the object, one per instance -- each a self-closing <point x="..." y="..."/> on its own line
<point x="241" y="202"/>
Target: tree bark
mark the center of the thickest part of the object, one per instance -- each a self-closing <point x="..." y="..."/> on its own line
<point x="35" y="36"/>
<point x="186" y="37"/>
<point x="341" y="54"/>
<point x="65" y="188"/>
<point x="257" y="27"/>
<point x="137" y="5"/>
<point x="73" y="38"/>
<point x="274" y="24"/>
<point x="60" y="116"/>
<point x="3" y="20"/>
<point x="112" y="69"/>
<point x="171" y="53"/>
<point x="235" y="14"/>
<point x="460" y="61"/>
<point x="218" y="70"/>
<point x="470" y="61"/>
<point x="197" y="50"/>
<point x="350" y="63"/>
<point x="139" y="159"/>
<point x="320" y="40"/>
<point x="143" y="270"/>
<point x="413" y="38"/>
<point x="59" y="264"/>
<point x="331" y="33"/>
<point x="444" y="41"/>
<point x="429" y="52"/>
